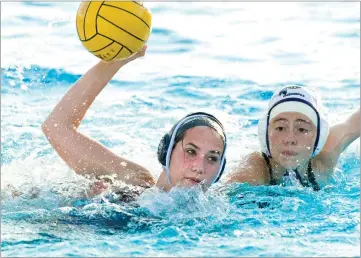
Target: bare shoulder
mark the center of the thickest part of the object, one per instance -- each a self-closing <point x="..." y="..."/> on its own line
<point x="323" y="166"/>
<point x="251" y="169"/>
<point x="341" y="135"/>
<point x="325" y="162"/>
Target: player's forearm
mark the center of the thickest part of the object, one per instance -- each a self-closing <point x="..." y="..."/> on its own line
<point x="71" y="109"/>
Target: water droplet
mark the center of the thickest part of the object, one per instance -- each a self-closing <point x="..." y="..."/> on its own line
<point x="23" y="87"/>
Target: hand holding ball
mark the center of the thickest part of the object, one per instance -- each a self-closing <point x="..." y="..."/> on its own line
<point x="113" y="30"/>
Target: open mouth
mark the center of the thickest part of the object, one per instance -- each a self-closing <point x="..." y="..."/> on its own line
<point x="193" y="180"/>
<point x="289" y="153"/>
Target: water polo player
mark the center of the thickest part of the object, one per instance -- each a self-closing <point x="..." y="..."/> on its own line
<point x="297" y="145"/>
<point x="192" y="153"/>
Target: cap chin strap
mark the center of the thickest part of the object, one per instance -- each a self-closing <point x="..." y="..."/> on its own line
<point x="171" y="145"/>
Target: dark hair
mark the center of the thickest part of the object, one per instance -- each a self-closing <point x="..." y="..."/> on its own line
<point x="176" y="134"/>
<point x="180" y="137"/>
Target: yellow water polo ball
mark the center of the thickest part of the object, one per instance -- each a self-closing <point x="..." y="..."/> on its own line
<point x="113" y="30"/>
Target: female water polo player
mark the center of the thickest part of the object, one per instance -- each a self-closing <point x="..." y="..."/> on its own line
<point x="192" y="153"/>
<point x="297" y="145"/>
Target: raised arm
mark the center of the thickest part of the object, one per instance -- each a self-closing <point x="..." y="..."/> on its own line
<point x="340" y="137"/>
<point x="81" y="153"/>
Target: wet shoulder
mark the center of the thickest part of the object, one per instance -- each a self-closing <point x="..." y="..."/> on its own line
<point x="260" y="167"/>
<point x="322" y="172"/>
<point x="251" y="169"/>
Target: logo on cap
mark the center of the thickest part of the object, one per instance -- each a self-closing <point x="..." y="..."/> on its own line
<point x="284" y="92"/>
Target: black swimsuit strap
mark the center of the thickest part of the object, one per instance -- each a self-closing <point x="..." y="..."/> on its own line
<point x="272" y="181"/>
<point x="311" y="177"/>
<point x="304" y="183"/>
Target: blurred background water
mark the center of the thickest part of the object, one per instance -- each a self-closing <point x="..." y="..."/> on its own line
<point x="224" y="58"/>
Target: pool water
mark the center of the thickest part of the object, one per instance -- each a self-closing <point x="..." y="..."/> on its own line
<point x="226" y="59"/>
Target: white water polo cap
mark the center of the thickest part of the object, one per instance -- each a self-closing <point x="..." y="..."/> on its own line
<point x="295" y="99"/>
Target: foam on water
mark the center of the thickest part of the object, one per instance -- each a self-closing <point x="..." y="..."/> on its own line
<point x="221" y="58"/>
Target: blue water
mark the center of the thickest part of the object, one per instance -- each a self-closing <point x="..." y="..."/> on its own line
<point x="215" y="57"/>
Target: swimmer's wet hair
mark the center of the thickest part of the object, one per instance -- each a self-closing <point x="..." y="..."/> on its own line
<point x="198" y="121"/>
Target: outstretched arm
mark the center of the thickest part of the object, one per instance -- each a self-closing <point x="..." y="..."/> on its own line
<point x="340" y="137"/>
<point x="81" y="153"/>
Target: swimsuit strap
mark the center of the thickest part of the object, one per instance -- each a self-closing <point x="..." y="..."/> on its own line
<point x="272" y="181"/>
<point x="311" y="177"/>
<point x="304" y="183"/>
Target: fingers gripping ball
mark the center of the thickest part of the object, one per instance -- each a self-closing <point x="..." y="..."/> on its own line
<point x="113" y="30"/>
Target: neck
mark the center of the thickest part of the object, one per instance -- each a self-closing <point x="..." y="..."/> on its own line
<point x="279" y="170"/>
<point x="162" y="182"/>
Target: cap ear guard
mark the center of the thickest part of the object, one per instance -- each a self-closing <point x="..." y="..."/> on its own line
<point x="263" y="134"/>
<point x="162" y="149"/>
<point x="323" y="135"/>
